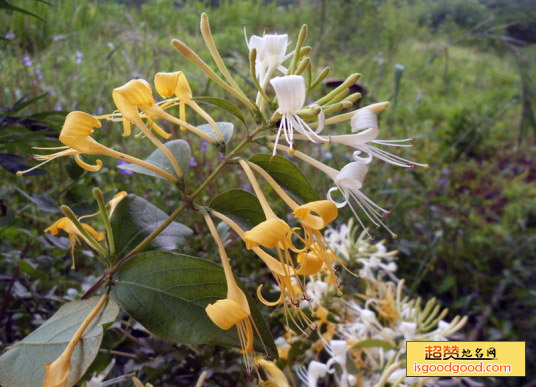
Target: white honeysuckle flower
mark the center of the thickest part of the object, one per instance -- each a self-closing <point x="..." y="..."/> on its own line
<point x="339" y="240"/>
<point x="339" y="352"/>
<point x="315" y="371"/>
<point x="408" y="329"/>
<point x="374" y="265"/>
<point x="271" y="53"/>
<point x="290" y="93"/>
<point x="365" y="126"/>
<point x="316" y="291"/>
<point x="397" y="375"/>
<point x="349" y="181"/>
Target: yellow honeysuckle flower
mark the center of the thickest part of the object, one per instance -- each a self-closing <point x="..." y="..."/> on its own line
<point x="276" y="377"/>
<point x="57" y="372"/>
<point x="313" y="216"/>
<point x="310" y="263"/>
<point x="136" y="95"/>
<point x="76" y="136"/>
<point x="115" y="200"/>
<point x="68" y="226"/>
<point x="176" y="83"/>
<point x="270" y="233"/>
<point x="326" y="210"/>
<point x="233" y="310"/>
<point x="290" y="291"/>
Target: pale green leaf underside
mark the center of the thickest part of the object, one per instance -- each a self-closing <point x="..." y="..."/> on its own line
<point x="226" y="129"/>
<point x="23" y="364"/>
<point x="179" y="148"/>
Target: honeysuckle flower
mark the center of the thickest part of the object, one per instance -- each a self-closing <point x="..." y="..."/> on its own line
<point x="290" y="92"/>
<point x="233" y="310"/>
<point x="348" y="181"/>
<point x="313" y="216"/>
<point x="276" y="377"/>
<point x="57" y="372"/>
<point x="76" y="136"/>
<point x="339" y="351"/>
<point x="365" y="124"/>
<point x="66" y="225"/>
<point x="315" y="371"/>
<point x="137" y="95"/>
<point x="168" y="84"/>
<point x="271" y="53"/>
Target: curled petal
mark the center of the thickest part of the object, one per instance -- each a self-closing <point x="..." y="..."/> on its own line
<point x="310" y="263"/>
<point x="226" y="313"/>
<point x="86" y="166"/>
<point x="166" y="83"/>
<point x="326" y="210"/>
<point x="268" y="233"/>
<point x="269" y="303"/>
<point x="352" y="175"/>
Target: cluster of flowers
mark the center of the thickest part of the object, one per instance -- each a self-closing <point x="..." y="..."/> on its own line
<point x="301" y="255"/>
<point x="361" y="339"/>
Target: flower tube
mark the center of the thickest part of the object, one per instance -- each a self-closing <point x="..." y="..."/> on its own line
<point x="176" y="83"/>
<point x="76" y="135"/>
<point x="234" y="309"/>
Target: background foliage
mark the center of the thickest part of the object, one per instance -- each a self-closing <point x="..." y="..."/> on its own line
<point x="460" y="76"/>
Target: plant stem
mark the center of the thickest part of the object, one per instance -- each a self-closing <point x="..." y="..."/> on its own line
<point x="178" y="211"/>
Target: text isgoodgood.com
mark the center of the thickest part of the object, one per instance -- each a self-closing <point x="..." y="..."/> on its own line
<point x="455" y="368"/>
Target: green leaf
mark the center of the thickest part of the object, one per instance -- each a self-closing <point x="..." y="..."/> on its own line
<point x="23" y="364"/>
<point x="223" y="104"/>
<point x="371" y="343"/>
<point x="180" y="149"/>
<point x="226" y="129"/>
<point x="135" y="218"/>
<point x="167" y="293"/>
<point x="5" y="5"/>
<point x="288" y="175"/>
<point x="241" y="206"/>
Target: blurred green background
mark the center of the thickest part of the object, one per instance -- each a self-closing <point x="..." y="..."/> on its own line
<point x="460" y="76"/>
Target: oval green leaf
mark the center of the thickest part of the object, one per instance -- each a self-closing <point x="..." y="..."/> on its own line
<point x="135" y="218"/>
<point x="241" y="206"/>
<point x="179" y="148"/>
<point x="168" y="292"/>
<point x="223" y="104"/>
<point x="226" y="129"/>
<point x="23" y="364"/>
<point x="288" y="175"/>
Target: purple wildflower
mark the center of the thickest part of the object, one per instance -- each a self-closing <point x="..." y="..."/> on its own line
<point x="58" y="107"/>
<point x="9" y="36"/>
<point x="445" y="171"/>
<point x="204" y="146"/>
<point x="124" y="171"/>
<point x="100" y="110"/>
<point x="246" y="186"/>
<point x="26" y="60"/>
<point x="38" y="73"/>
<point x="79" y="57"/>
<point x="193" y="163"/>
